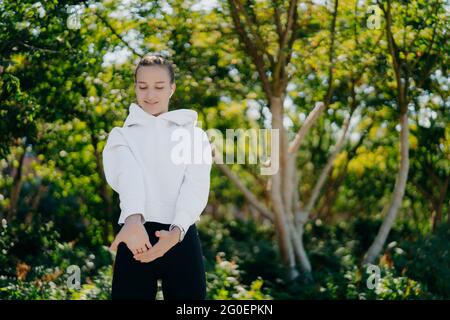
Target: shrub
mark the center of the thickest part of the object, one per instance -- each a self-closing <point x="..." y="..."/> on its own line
<point x="427" y="260"/>
<point x="224" y="283"/>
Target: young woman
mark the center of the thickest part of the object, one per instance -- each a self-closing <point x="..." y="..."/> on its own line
<point x="162" y="191"/>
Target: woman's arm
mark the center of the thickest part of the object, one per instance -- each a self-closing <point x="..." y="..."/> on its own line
<point x="194" y="191"/>
<point x="125" y="177"/>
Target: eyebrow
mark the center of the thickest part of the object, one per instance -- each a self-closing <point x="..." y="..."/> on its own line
<point x="155" y="82"/>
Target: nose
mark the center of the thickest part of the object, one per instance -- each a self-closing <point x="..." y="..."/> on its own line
<point x="151" y="95"/>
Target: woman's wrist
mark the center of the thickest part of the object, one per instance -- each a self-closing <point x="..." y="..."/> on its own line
<point x="176" y="231"/>
<point x="134" y="218"/>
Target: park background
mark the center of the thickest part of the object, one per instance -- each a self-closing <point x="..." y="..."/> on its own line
<point x="359" y="89"/>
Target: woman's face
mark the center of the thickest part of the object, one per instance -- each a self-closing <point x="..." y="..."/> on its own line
<point x="153" y="89"/>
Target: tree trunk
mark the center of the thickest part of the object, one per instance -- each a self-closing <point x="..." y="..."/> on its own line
<point x="278" y="201"/>
<point x="399" y="190"/>
<point x="300" y="251"/>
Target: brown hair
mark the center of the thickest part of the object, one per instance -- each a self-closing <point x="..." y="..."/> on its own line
<point x="156" y="60"/>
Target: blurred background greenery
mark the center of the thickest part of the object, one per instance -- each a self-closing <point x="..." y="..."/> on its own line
<point x="368" y="183"/>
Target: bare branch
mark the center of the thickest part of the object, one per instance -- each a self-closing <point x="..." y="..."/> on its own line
<point x="254" y="31"/>
<point x="292" y="38"/>
<point x="320" y="107"/>
<point x="277" y="20"/>
<point x="331" y="55"/>
<point x="251" y="198"/>
<point x="251" y="47"/>
<point x="290" y="23"/>
<point x="323" y="175"/>
<point x="310" y="120"/>
<point x="394" y="52"/>
<point x="284" y="51"/>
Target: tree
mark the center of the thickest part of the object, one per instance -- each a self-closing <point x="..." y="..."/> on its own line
<point x="407" y="66"/>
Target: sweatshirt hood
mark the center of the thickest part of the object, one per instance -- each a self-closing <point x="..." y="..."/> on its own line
<point x="181" y="117"/>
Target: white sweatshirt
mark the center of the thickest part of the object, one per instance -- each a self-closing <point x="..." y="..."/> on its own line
<point x="141" y="164"/>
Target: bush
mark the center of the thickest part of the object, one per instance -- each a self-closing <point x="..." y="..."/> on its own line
<point x="34" y="264"/>
<point x="97" y="289"/>
<point x="427" y="260"/>
<point x="249" y="245"/>
<point x="224" y="283"/>
<point x="242" y="262"/>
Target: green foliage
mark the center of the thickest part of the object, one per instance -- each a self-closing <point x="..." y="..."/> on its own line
<point x="335" y="251"/>
<point x="61" y="93"/>
<point x="224" y="283"/>
<point x="427" y="259"/>
<point x="250" y="244"/>
<point x="35" y="263"/>
<point x="417" y="270"/>
<point x="399" y="288"/>
<point x="99" y="287"/>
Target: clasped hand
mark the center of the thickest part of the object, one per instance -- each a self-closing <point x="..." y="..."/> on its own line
<point x="134" y="235"/>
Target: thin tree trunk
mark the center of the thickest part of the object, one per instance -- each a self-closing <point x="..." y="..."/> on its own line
<point x="333" y="188"/>
<point x="249" y="196"/>
<point x="323" y="175"/>
<point x="297" y="233"/>
<point x="399" y="191"/>
<point x="279" y="206"/>
<point x="401" y="72"/>
<point x="302" y="214"/>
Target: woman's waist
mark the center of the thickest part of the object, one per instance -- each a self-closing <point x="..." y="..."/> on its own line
<point x="156" y="225"/>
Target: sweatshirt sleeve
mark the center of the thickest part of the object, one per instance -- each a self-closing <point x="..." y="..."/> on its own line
<point x="124" y="175"/>
<point x="194" y="191"/>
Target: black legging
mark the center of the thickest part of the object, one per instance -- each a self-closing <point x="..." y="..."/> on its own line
<point x="181" y="270"/>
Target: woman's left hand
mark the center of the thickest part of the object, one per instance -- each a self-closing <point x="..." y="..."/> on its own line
<point x="167" y="239"/>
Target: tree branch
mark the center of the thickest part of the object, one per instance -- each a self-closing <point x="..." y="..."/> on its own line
<point x="309" y="122"/>
<point x="250" y="46"/>
<point x="331" y="55"/>
<point x="251" y="198"/>
<point x="283" y="52"/>
<point x="323" y="175"/>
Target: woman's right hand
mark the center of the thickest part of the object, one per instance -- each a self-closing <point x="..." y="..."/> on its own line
<point x="133" y="234"/>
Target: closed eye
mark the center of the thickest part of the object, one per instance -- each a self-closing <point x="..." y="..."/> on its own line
<point x="143" y="88"/>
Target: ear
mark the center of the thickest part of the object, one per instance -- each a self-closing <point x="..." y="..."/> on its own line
<point x="172" y="90"/>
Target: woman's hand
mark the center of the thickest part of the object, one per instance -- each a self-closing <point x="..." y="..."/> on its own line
<point x="167" y="239"/>
<point x="134" y="235"/>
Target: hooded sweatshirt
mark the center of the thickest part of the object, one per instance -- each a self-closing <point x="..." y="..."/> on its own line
<point x="160" y="166"/>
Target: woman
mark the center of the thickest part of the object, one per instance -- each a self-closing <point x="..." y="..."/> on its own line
<point x="162" y="191"/>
